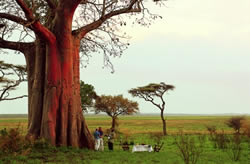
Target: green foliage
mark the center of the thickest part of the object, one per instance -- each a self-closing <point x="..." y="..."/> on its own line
<point x="151" y="90"/>
<point x="88" y="95"/>
<point x="116" y="105"/>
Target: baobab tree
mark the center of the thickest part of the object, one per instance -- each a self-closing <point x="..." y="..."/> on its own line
<point x="115" y="106"/>
<point x="52" y="35"/>
<point x="11" y="76"/>
<point x="154" y="93"/>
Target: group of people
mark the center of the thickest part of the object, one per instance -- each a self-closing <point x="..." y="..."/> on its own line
<point x="98" y="135"/>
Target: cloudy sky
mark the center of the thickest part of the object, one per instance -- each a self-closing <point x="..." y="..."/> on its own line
<point x="200" y="46"/>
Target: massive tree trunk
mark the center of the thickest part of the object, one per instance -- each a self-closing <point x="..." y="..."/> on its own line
<point x="163" y="123"/>
<point x="54" y="110"/>
<point x="54" y="88"/>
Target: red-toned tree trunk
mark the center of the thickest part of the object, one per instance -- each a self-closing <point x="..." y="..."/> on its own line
<point x="54" y="88"/>
<point x="54" y="109"/>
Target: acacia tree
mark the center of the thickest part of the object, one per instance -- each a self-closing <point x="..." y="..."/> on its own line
<point x="52" y="35"/>
<point x="154" y="93"/>
<point x="114" y="106"/>
<point x="11" y="76"/>
<point x="88" y="96"/>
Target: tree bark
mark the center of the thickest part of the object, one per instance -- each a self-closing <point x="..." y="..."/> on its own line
<point x="54" y="103"/>
<point x="114" y="119"/>
<point x="164" y="127"/>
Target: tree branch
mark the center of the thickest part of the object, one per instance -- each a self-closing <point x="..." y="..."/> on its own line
<point x="103" y="7"/>
<point x="18" y="46"/>
<point x="7" y="71"/>
<point x="148" y="98"/>
<point x="13" y="98"/>
<point x="37" y="27"/>
<point x="28" y="13"/>
<point x="51" y="4"/>
<point x="80" y="33"/>
<point x="15" y="19"/>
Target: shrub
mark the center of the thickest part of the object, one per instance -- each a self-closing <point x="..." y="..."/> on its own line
<point x="236" y="123"/>
<point x="11" y="141"/>
<point x="211" y="129"/>
<point x="235" y="147"/>
<point x="157" y="138"/>
<point x="212" y="134"/>
<point x="190" y="148"/>
<point x="219" y="139"/>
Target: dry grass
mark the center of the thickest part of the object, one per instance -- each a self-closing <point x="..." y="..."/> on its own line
<point x="143" y="124"/>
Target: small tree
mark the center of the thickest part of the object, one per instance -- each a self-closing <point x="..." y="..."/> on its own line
<point x="152" y="91"/>
<point x="10" y="78"/>
<point x="236" y="123"/>
<point x="88" y="95"/>
<point x="115" y="106"/>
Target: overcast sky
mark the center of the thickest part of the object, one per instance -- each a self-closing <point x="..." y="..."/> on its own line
<point x="200" y="46"/>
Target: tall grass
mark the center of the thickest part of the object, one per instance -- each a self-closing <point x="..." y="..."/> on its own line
<point x="139" y="130"/>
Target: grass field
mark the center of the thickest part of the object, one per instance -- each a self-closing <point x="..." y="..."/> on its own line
<point x="139" y="130"/>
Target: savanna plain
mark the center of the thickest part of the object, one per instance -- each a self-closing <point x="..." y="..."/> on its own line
<point x="190" y="140"/>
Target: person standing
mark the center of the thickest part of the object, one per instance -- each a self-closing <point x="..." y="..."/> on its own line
<point x="101" y="147"/>
<point x="111" y="137"/>
<point x="97" y="139"/>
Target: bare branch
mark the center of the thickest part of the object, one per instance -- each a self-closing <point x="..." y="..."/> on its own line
<point x="37" y="26"/>
<point x="7" y="71"/>
<point x="28" y="13"/>
<point x="18" y="46"/>
<point x="81" y="32"/>
<point x="103" y="8"/>
<point x="13" y="98"/>
<point x="15" y="19"/>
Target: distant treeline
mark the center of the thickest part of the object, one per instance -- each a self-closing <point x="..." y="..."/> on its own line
<point x="13" y="115"/>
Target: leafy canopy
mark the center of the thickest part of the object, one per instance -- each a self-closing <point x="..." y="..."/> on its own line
<point x="88" y="95"/>
<point x="114" y="106"/>
<point x="152" y="91"/>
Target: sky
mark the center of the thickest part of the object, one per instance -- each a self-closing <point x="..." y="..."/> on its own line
<point x="200" y="47"/>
